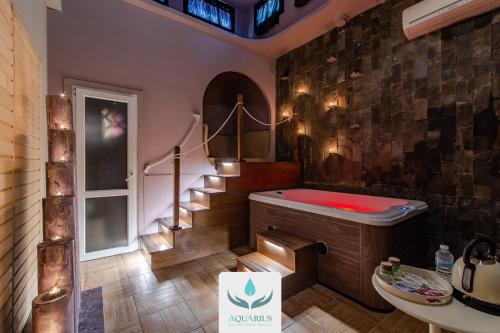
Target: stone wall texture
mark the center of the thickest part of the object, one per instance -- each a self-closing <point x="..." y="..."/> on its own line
<point x="417" y="119"/>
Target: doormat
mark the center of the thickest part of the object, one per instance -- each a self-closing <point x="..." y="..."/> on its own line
<point x="91" y="312"/>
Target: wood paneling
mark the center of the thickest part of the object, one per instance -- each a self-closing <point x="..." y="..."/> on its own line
<point x="340" y="267"/>
<point x="19" y="170"/>
<point x="355" y="249"/>
<point x="6" y="165"/>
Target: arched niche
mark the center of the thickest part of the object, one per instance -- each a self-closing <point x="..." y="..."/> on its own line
<point x="219" y="100"/>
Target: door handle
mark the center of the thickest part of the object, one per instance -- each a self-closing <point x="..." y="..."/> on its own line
<point x="130" y="175"/>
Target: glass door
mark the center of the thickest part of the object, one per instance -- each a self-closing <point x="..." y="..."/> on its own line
<point x="106" y="140"/>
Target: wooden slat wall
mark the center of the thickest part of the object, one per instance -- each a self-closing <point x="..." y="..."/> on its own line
<point x="6" y="165"/>
<point x="20" y="208"/>
<point x="27" y="163"/>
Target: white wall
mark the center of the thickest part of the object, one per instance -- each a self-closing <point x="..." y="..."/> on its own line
<point x="115" y="43"/>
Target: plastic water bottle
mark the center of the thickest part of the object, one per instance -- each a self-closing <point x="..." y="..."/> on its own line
<point x="444" y="262"/>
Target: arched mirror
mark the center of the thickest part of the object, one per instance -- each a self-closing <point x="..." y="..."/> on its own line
<point x="219" y="100"/>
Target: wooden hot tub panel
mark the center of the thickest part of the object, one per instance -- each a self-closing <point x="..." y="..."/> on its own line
<point x="355" y="249"/>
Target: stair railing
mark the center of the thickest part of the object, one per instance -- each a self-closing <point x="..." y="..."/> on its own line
<point x="240" y="129"/>
<point x="177" y="183"/>
<point x="176" y="154"/>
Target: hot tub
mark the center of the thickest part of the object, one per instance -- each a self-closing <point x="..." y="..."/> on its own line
<point x="359" y="231"/>
<point x="378" y="211"/>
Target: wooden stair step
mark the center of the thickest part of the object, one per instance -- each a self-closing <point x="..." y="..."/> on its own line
<point x="192" y="206"/>
<point x="286" y="240"/>
<point x="154" y="243"/>
<point x="207" y="190"/>
<point x="257" y="262"/>
<point x="228" y="169"/>
<point x="168" y="222"/>
<point x="293" y="252"/>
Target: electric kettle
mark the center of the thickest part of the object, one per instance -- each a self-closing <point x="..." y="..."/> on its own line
<point x="476" y="277"/>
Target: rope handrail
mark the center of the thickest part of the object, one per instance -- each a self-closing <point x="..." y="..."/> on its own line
<point x="263" y="123"/>
<point x="211" y="137"/>
<point x="170" y="154"/>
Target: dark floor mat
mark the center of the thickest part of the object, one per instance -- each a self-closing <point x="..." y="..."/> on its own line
<point x="91" y="312"/>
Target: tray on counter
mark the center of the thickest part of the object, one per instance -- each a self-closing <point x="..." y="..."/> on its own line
<point x="413" y="296"/>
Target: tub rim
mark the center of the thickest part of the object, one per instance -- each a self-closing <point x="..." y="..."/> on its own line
<point x="390" y="217"/>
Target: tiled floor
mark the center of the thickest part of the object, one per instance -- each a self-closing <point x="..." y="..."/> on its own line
<point x="184" y="299"/>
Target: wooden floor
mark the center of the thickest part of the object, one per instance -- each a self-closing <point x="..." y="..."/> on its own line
<point x="184" y="299"/>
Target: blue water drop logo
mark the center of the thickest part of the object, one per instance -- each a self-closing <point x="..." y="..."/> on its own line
<point x="250" y="288"/>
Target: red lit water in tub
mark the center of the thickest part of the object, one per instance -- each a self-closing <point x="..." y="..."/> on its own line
<point x="345" y="201"/>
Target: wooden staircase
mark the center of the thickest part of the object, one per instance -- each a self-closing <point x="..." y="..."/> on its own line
<point x="217" y="216"/>
<point x="291" y="256"/>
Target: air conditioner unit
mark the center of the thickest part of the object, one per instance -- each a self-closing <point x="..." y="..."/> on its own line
<point x="431" y="15"/>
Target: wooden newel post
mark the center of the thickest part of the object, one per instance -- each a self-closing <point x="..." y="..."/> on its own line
<point x="240" y="127"/>
<point x="177" y="183"/>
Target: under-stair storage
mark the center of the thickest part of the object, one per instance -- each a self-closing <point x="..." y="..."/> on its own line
<point x="291" y="256"/>
<point x="216" y="218"/>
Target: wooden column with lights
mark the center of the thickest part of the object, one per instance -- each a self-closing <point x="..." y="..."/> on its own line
<point x="177" y="186"/>
<point x="241" y="128"/>
<point x="55" y="309"/>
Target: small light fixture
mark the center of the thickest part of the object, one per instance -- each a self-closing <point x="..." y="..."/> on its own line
<point x="301" y="128"/>
<point x="332" y="145"/>
<point x="54" y="291"/>
<point x="63" y="95"/>
<point x="286" y="111"/>
<point x="227" y="164"/>
<point x="302" y="89"/>
<point x="56" y="238"/>
<point x="163" y="247"/>
<point x="285" y="76"/>
<point x="59" y="194"/>
<point x="274" y="246"/>
<point x="331" y="105"/>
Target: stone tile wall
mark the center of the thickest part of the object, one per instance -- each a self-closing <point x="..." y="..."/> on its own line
<point x="386" y="116"/>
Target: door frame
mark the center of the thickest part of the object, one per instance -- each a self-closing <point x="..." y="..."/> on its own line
<point x="79" y="94"/>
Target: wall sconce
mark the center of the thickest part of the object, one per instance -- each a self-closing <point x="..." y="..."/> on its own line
<point x="302" y="89"/>
<point x="286" y="112"/>
<point x="332" y="104"/>
<point x="301" y="128"/>
<point x="285" y="76"/>
<point x="332" y="145"/>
